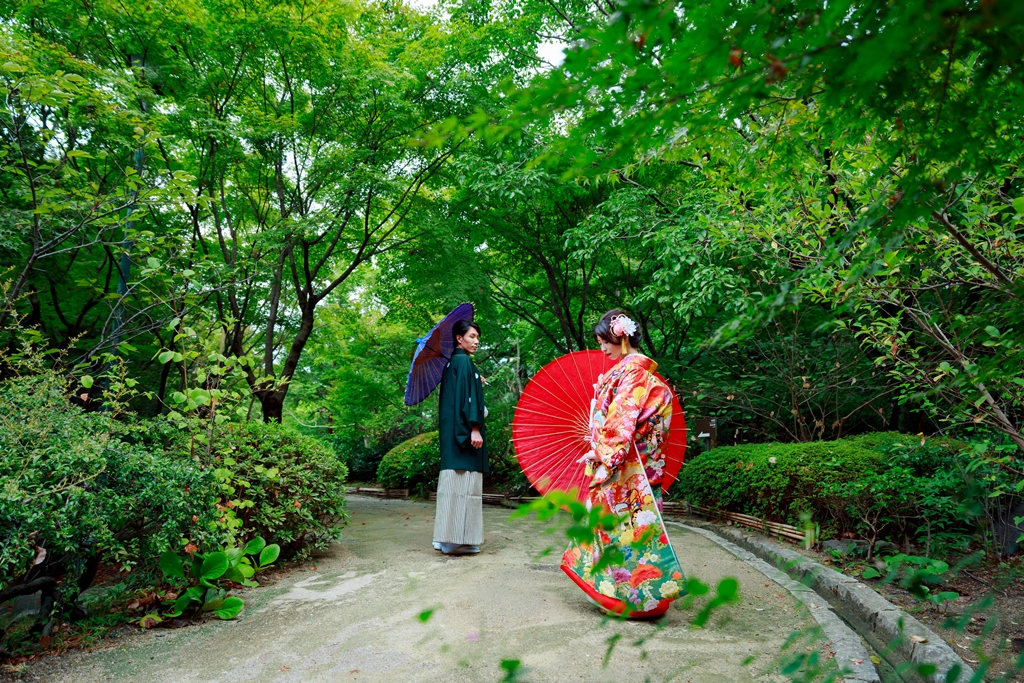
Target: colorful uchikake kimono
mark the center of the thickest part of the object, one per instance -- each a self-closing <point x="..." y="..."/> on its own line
<point x="629" y="421"/>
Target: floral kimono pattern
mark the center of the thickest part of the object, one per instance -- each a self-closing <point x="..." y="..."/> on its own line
<point x="629" y="421"/>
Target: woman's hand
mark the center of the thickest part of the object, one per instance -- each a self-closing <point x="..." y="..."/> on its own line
<point x="588" y="457"/>
<point x="475" y="438"/>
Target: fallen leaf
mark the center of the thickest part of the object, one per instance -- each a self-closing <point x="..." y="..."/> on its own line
<point x="918" y="639"/>
<point x="284" y="668"/>
<point x="875" y="659"/>
<point x="149" y="621"/>
<point x="40" y="555"/>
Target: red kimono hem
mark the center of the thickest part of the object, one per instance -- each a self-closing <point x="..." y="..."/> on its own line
<point x="614" y="605"/>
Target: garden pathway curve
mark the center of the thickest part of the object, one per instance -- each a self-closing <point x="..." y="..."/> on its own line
<point x="351" y="614"/>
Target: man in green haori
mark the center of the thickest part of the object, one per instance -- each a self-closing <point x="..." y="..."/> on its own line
<point x="459" y="521"/>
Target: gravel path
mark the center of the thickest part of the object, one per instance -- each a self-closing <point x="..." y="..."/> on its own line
<point x="354" y="617"/>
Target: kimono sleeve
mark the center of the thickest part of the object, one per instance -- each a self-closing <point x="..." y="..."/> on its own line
<point x="615" y="436"/>
<point x="468" y="411"/>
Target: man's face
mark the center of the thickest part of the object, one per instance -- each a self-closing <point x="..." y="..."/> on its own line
<point x="470" y="341"/>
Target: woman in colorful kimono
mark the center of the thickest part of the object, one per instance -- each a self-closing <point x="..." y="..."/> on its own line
<point x="629" y="421"/>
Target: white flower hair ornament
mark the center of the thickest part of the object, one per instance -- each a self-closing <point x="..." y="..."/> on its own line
<point x="623" y="326"/>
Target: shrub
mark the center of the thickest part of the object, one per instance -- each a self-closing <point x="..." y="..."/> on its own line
<point x="273" y="482"/>
<point x="922" y="492"/>
<point x="362" y="461"/>
<point x="774" y="481"/>
<point x="74" y="490"/>
<point x="414" y="464"/>
<point x="923" y="455"/>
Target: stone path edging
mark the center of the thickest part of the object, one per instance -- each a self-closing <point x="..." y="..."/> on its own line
<point x="850" y="653"/>
<point x="884" y="624"/>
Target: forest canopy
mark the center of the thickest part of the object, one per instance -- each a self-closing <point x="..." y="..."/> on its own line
<point x="814" y="212"/>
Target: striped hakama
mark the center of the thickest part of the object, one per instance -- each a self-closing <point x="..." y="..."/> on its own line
<point x="459" y="518"/>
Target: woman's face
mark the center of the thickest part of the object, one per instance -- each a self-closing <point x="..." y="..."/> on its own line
<point x="613" y="351"/>
<point x="470" y="341"/>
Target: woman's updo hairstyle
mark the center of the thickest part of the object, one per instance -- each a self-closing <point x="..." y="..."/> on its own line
<point x="603" y="329"/>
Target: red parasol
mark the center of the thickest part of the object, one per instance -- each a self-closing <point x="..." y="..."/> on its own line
<point x="551" y="429"/>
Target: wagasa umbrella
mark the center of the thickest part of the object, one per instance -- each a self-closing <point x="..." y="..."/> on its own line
<point x="433" y="351"/>
<point x="551" y="428"/>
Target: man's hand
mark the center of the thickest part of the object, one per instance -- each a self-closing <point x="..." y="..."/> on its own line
<point x="476" y="438"/>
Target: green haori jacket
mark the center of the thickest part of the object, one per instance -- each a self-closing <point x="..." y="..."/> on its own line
<point x="460" y="408"/>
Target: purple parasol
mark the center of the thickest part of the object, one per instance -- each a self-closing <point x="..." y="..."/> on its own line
<point x="433" y="350"/>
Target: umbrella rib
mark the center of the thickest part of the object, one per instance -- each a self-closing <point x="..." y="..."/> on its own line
<point x="590" y="380"/>
<point x="545" y="413"/>
<point x="567" y="381"/>
<point x="554" y="380"/>
<point x="562" y="407"/>
<point x="583" y="380"/>
<point x="558" y="463"/>
<point x="580" y="387"/>
<point x="562" y="440"/>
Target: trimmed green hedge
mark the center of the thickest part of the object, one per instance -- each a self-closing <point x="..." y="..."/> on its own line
<point x="414" y="464"/>
<point x="774" y="481"/>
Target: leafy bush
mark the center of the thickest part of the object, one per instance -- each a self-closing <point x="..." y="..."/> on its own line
<point x="907" y="489"/>
<point x="362" y="461"/>
<point x="414" y="464"/>
<point x="774" y="481"/>
<point x="74" y="490"/>
<point x="272" y="482"/>
<point x="921" y="492"/>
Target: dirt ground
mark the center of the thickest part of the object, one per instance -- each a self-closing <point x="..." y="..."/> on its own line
<point x="382" y="605"/>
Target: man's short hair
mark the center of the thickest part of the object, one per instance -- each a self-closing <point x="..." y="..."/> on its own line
<point x="461" y="327"/>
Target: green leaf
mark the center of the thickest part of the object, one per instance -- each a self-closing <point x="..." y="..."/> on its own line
<point x="87" y="381"/>
<point x="180" y="604"/>
<point x="234" y="574"/>
<point x="992" y="331"/>
<point x="870" y="573"/>
<point x="1018" y="205"/>
<point x="14" y="67"/>
<point x="234" y="556"/>
<point x="231" y="608"/>
<point x="214" y="566"/>
<point x="213" y="605"/>
<point x="170" y="565"/>
<point x="166" y="356"/>
<point x="425" y="615"/>
<point x="254" y="546"/>
<point x="269" y="554"/>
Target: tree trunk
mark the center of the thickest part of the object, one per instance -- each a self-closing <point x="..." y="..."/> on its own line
<point x="272" y="396"/>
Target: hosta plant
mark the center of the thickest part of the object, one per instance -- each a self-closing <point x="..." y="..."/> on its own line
<point x="206" y="574"/>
